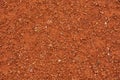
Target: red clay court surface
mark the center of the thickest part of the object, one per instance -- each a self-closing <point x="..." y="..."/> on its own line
<point x="59" y="39"/>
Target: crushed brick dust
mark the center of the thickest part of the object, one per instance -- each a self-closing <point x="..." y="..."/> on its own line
<point x="59" y="39"/>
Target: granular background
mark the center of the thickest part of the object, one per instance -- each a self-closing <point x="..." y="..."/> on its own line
<point x="59" y="39"/>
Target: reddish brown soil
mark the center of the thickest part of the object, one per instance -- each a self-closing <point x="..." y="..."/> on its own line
<point x="59" y="39"/>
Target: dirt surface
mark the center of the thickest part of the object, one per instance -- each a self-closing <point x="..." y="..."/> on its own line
<point x="59" y="39"/>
